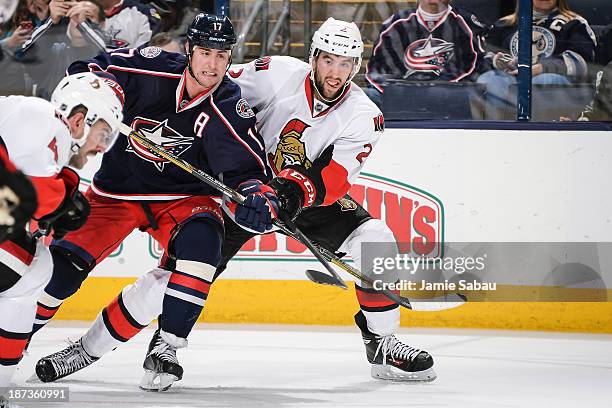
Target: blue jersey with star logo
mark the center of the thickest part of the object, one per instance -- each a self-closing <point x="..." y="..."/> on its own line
<point x="214" y="131"/>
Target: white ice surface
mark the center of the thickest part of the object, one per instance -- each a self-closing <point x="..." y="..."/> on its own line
<point x="252" y="366"/>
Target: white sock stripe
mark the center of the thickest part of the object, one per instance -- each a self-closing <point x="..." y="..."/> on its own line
<point x="197" y="269"/>
<point x="43" y="322"/>
<point x="49" y="300"/>
<point x="185" y="297"/>
<point x="13" y="262"/>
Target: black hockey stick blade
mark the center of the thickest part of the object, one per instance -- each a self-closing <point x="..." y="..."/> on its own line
<point x="324" y="279"/>
<point x="449" y="301"/>
<point x="321" y="278"/>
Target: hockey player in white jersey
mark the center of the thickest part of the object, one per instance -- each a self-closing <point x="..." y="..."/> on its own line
<point x="318" y="128"/>
<point x="42" y="138"/>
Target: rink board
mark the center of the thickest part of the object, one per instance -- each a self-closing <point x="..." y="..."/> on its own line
<point x="429" y="186"/>
<point x="303" y="302"/>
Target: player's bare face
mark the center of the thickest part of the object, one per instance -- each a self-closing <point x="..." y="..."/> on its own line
<point x="544" y="6"/>
<point x="331" y="73"/>
<point x="433" y="6"/>
<point x="99" y="140"/>
<point x="209" y="66"/>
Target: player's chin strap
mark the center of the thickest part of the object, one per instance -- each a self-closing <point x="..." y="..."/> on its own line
<point x="76" y="144"/>
<point x="191" y="70"/>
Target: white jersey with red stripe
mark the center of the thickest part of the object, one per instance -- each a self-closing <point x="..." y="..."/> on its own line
<point x="37" y="139"/>
<point x="38" y="142"/>
<point x="330" y="142"/>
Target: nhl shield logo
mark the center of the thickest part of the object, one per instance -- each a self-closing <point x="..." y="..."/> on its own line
<point x="160" y="134"/>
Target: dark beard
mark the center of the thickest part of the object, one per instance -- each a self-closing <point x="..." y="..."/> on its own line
<point x="319" y="87"/>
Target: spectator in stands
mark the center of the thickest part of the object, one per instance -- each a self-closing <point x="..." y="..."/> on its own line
<point x="29" y="15"/>
<point x="59" y="41"/>
<point x="166" y="42"/>
<point x="14" y="31"/>
<point x="601" y="107"/>
<point x="603" y="55"/>
<point x="129" y="23"/>
<point x="433" y="42"/>
<point x="563" y="45"/>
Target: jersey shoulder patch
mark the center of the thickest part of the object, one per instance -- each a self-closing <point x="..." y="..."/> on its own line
<point x="262" y="64"/>
<point x="379" y="123"/>
<point x="243" y="109"/>
<point x="150" y="52"/>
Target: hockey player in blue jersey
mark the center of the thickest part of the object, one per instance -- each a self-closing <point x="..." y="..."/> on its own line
<point x="192" y="109"/>
<point x="342" y="126"/>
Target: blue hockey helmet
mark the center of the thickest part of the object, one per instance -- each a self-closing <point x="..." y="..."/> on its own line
<point x="211" y="31"/>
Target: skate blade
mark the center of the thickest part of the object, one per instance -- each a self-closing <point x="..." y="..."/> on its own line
<point x="390" y="373"/>
<point x="157" y="382"/>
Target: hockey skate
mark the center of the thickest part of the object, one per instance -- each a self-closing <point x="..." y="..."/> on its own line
<point x="63" y="363"/>
<point x="393" y="360"/>
<point x="161" y="366"/>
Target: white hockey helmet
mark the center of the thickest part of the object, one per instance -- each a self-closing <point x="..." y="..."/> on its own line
<point x="7" y="8"/>
<point x="340" y="38"/>
<point x="102" y="97"/>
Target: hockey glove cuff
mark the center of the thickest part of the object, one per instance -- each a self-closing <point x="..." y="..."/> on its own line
<point x="72" y="212"/>
<point x="294" y="190"/>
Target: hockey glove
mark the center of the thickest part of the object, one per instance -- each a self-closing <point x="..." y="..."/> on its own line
<point x="294" y="191"/>
<point x="259" y="208"/>
<point x="72" y="212"/>
<point x="17" y="199"/>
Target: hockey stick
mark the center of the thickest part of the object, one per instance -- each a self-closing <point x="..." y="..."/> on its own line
<point x="334" y="279"/>
<point x="322" y="254"/>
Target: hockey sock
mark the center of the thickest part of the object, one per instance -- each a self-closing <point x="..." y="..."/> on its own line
<point x="132" y="310"/>
<point x="381" y="313"/>
<point x="46" y="307"/>
<point x="198" y="250"/>
<point x="11" y="351"/>
<point x="66" y="280"/>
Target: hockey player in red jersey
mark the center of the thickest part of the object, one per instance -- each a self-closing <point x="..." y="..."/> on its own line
<point x="42" y="139"/>
<point x="318" y="129"/>
<point x="191" y="108"/>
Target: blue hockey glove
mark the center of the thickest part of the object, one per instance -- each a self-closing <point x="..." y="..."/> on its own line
<point x="259" y="208"/>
